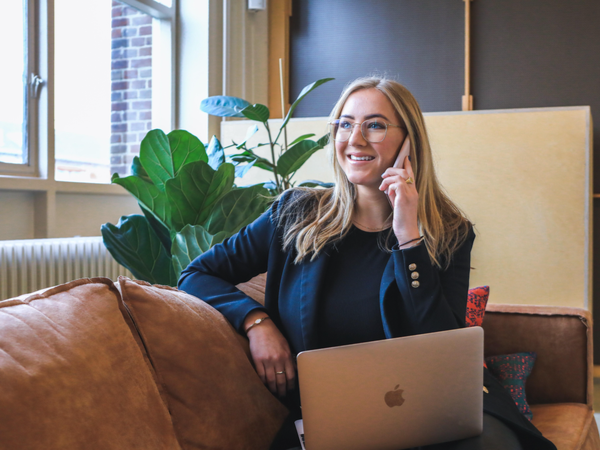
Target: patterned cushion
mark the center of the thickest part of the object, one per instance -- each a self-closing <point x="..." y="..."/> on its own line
<point x="476" y="303"/>
<point x="512" y="371"/>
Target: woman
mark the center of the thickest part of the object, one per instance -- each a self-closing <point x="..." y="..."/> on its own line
<point x="383" y="254"/>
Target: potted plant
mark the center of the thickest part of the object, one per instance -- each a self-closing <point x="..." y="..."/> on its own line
<point x="187" y="194"/>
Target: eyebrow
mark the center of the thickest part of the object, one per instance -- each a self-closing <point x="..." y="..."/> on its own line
<point x="370" y="116"/>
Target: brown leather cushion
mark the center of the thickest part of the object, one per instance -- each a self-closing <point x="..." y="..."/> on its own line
<point x="71" y="375"/>
<point x="215" y="398"/>
<point x="560" y="373"/>
<point x="567" y="425"/>
<point x="255" y="288"/>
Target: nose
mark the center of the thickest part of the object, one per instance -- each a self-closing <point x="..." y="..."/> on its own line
<point x="356" y="137"/>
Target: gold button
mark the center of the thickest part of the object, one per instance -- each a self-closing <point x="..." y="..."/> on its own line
<point x="413" y="266"/>
<point x="415" y="284"/>
<point x="414" y="275"/>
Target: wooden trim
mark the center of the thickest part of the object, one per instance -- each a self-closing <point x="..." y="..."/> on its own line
<point x="467" y="99"/>
<point x="280" y="12"/>
<point x="596" y="371"/>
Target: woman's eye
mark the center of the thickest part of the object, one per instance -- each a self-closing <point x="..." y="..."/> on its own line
<point x="345" y="125"/>
<point x="376" y="125"/>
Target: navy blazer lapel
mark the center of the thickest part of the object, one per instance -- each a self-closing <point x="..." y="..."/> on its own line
<point x="313" y="277"/>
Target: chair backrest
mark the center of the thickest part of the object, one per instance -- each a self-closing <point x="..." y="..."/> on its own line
<point x="562" y="339"/>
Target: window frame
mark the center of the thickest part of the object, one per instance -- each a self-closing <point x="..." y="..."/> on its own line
<point x="40" y="109"/>
<point x="28" y="168"/>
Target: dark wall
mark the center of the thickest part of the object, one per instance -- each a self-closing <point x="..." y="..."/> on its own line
<point x="532" y="53"/>
<point x="419" y="43"/>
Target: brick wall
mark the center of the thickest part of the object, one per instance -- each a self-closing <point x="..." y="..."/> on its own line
<point x="131" y="88"/>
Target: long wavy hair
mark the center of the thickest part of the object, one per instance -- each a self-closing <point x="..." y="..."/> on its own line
<point x="314" y="218"/>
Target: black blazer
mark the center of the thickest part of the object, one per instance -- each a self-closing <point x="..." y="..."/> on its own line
<point x="292" y="291"/>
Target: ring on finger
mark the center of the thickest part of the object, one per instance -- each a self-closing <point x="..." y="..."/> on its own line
<point x="410" y="180"/>
<point x="280" y="373"/>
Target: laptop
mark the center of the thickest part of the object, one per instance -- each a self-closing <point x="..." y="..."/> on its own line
<point x="393" y="394"/>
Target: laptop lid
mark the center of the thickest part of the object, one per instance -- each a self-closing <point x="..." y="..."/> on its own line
<point x="395" y="393"/>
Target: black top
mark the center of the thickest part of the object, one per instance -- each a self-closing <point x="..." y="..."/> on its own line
<point x="349" y="310"/>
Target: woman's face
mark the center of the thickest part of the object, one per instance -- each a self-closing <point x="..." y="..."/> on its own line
<point x="363" y="162"/>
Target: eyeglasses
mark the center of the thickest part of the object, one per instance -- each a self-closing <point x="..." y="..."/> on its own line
<point x="373" y="130"/>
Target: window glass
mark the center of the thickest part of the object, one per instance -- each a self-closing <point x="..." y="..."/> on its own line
<point x="13" y="85"/>
<point x="103" y="87"/>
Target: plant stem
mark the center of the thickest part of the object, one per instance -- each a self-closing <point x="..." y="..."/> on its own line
<point x="272" y="145"/>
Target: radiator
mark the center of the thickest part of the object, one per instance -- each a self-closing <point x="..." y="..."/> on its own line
<point x="29" y="265"/>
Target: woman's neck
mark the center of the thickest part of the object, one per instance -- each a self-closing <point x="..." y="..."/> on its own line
<point x="372" y="209"/>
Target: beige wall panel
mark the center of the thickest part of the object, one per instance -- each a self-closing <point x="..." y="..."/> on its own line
<point x="522" y="176"/>
<point x="16" y="217"/>
<point x="83" y="214"/>
<point x="317" y="168"/>
<point x="523" y="179"/>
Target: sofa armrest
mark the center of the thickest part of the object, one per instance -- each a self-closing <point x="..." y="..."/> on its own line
<point x="562" y="339"/>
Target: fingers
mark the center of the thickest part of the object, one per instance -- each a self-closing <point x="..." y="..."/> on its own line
<point x="408" y="167"/>
<point x="290" y="373"/>
<point x="395" y="179"/>
<point x="271" y="379"/>
<point x="272" y="358"/>
<point x="260" y="370"/>
<point x="279" y="380"/>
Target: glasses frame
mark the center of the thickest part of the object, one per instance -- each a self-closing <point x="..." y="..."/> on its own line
<point x="337" y="121"/>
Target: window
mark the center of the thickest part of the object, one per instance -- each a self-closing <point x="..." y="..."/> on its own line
<point x="14" y="28"/>
<point x="112" y="82"/>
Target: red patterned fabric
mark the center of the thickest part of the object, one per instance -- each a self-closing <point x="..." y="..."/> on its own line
<point x="476" y="303"/>
<point x="512" y="371"/>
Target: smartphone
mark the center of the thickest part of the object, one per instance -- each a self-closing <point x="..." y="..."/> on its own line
<point x="399" y="162"/>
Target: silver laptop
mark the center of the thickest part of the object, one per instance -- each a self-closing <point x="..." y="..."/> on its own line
<point x="393" y="394"/>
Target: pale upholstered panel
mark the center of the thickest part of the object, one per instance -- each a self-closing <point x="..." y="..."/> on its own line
<point x="522" y="176"/>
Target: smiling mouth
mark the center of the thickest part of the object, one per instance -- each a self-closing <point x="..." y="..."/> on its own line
<point x="361" y="158"/>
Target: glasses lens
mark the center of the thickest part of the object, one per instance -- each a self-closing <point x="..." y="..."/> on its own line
<point x="374" y="130"/>
<point x="341" y="130"/>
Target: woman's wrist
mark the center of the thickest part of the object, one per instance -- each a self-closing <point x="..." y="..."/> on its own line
<point x="254" y="319"/>
<point x="411" y="243"/>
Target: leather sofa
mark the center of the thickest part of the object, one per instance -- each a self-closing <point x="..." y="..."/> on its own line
<point x="100" y="365"/>
<point x="560" y="388"/>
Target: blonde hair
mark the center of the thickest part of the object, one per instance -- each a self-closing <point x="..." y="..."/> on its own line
<point x="314" y="218"/>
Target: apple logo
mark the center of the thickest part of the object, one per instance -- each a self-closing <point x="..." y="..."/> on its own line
<point x="394" y="398"/>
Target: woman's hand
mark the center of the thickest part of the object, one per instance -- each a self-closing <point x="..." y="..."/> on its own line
<point x="404" y="197"/>
<point x="271" y="355"/>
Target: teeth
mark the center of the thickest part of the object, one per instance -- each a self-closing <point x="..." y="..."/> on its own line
<point x="361" y="158"/>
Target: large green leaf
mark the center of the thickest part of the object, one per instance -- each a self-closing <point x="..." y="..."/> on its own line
<point x="237" y="209"/>
<point x="147" y="195"/>
<point x="133" y="244"/>
<point x="216" y="153"/>
<point x="162" y="232"/>
<point x="224" y="106"/>
<point x="190" y="243"/>
<point x="303" y="93"/>
<point x="163" y="156"/>
<point x="196" y="190"/>
<point x="138" y="170"/>
<point x="323" y="140"/>
<point x="257" y="112"/>
<point x="297" y="155"/>
<point x="185" y="148"/>
<point x="301" y="138"/>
